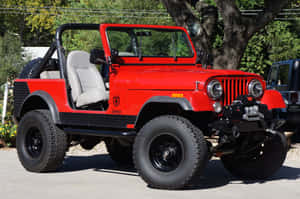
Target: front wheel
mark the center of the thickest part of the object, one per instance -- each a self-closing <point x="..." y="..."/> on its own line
<point x="169" y="152"/>
<point x="260" y="163"/>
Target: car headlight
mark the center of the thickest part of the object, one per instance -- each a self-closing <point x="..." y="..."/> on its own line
<point x="255" y="88"/>
<point x="214" y="89"/>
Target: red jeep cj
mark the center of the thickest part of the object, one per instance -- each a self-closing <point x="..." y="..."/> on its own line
<point x="140" y="90"/>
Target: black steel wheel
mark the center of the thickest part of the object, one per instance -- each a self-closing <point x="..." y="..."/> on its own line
<point x="34" y="142"/>
<point x="169" y="152"/>
<point x="166" y="152"/>
<point x="41" y="145"/>
<point x="259" y="163"/>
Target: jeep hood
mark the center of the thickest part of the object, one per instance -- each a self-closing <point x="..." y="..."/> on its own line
<point x="171" y="78"/>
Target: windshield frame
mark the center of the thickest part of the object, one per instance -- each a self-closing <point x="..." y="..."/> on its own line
<point x="149" y="59"/>
<point x="156" y="29"/>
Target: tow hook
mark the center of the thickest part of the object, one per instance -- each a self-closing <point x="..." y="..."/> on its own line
<point x="274" y="132"/>
<point x="274" y="126"/>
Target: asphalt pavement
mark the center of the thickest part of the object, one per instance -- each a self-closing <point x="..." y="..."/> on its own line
<point x="96" y="176"/>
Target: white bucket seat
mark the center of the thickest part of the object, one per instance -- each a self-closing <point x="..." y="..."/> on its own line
<point x="85" y="80"/>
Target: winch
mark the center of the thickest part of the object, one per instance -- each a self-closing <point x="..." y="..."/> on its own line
<point x="246" y="114"/>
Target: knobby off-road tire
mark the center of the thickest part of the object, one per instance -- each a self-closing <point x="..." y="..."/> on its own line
<point x="169" y="152"/>
<point x="122" y="155"/>
<point x="31" y="69"/>
<point x="261" y="163"/>
<point x="41" y="145"/>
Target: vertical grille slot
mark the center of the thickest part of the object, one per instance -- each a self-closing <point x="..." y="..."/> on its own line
<point x="233" y="87"/>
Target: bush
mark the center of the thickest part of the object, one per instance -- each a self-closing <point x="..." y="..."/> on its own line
<point x="8" y="132"/>
<point x="11" y="60"/>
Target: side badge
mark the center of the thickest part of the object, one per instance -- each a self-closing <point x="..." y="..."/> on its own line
<point x="116" y="101"/>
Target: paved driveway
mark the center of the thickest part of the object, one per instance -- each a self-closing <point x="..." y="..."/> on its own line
<point x="96" y="176"/>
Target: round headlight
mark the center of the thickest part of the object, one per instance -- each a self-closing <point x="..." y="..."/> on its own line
<point x="214" y="89"/>
<point x="255" y="88"/>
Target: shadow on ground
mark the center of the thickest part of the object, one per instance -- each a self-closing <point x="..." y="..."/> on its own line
<point x="214" y="176"/>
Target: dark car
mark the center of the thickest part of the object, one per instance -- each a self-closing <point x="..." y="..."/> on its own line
<point x="284" y="76"/>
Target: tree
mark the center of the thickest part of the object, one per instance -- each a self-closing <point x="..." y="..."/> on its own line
<point x="11" y="60"/>
<point x="117" y="11"/>
<point x="33" y="20"/>
<point x="277" y="41"/>
<point x="200" y="17"/>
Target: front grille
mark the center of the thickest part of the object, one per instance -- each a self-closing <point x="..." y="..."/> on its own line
<point x="233" y="87"/>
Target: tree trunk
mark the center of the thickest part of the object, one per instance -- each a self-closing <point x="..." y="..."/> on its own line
<point x="238" y="29"/>
<point x="201" y="32"/>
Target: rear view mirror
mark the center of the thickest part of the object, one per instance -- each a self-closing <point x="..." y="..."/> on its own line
<point x="114" y="54"/>
<point x="143" y="34"/>
<point x="97" y="56"/>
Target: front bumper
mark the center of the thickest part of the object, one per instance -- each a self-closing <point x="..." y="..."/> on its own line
<point x="246" y="115"/>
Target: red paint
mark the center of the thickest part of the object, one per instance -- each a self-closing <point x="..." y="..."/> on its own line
<point x="130" y="126"/>
<point x="135" y="84"/>
<point x="273" y="99"/>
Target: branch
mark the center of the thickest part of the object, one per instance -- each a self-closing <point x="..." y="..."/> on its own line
<point x="271" y="10"/>
<point x="232" y="18"/>
<point x="180" y="12"/>
<point x="209" y="18"/>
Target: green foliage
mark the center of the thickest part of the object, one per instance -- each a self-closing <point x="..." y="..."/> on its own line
<point x="246" y="4"/>
<point x="8" y="134"/>
<point x="81" y="40"/>
<point x="85" y="40"/>
<point x="276" y="42"/>
<point x="8" y="130"/>
<point x="11" y="57"/>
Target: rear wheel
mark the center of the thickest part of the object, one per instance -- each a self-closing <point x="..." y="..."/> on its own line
<point x="169" y="152"/>
<point x="260" y="163"/>
<point x="41" y="145"/>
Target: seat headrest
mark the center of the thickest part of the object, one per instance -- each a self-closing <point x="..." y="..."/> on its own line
<point x="79" y="59"/>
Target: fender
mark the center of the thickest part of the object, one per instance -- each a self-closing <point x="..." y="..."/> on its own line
<point x="48" y="100"/>
<point x="182" y="102"/>
<point x="273" y="99"/>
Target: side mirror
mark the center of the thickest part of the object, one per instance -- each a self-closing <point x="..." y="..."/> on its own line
<point x="114" y="54"/>
<point x="97" y="56"/>
<point x="203" y="58"/>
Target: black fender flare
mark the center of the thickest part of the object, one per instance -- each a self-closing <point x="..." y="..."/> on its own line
<point x="48" y="100"/>
<point x="182" y="102"/>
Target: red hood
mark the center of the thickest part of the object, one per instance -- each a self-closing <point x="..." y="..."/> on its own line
<point x="170" y="77"/>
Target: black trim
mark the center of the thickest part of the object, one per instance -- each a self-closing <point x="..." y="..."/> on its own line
<point x="21" y="91"/>
<point x="97" y="120"/>
<point x="182" y="102"/>
<point x="101" y="133"/>
<point x="157" y="64"/>
<point x="49" y="101"/>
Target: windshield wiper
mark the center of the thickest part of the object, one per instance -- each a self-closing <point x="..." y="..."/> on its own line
<point x="174" y="44"/>
<point x="140" y="49"/>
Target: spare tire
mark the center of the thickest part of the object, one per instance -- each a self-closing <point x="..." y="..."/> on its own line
<point x="31" y="70"/>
